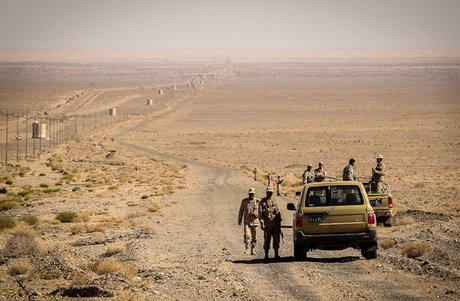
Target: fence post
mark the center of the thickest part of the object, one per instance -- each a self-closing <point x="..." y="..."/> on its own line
<point x="27" y="133"/>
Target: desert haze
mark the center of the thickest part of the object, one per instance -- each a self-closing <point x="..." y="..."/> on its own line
<point x="143" y="205"/>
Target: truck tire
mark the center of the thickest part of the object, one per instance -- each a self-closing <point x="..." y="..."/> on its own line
<point x="388" y="222"/>
<point x="369" y="254"/>
<point x="300" y="253"/>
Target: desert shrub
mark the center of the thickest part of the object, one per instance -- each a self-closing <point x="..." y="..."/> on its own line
<point x="66" y="216"/>
<point x="114" y="249"/>
<point x="68" y="178"/>
<point x="95" y="228"/>
<point x="78" y="228"/>
<point x="30" y="219"/>
<point x="79" y="280"/>
<point x="51" y="190"/>
<point x="154" y="207"/>
<point x="6" y="206"/>
<point x="19" y="267"/>
<point x="107" y="266"/>
<point x="112" y="187"/>
<point x="6" y="223"/>
<point x="50" y="274"/>
<point x="387" y="243"/>
<point x="9" y="182"/>
<point x="76" y="189"/>
<point x="404" y="220"/>
<point x="42" y="175"/>
<point x="82" y="217"/>
<point x="416" y="249"/>
<point x="43" y="185"/>
<point x="22" y="243"/>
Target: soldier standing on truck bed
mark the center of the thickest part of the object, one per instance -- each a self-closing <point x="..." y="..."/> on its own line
<point x="320" y="173"/>
<point x="378" y="174"/>
<point x="349" y="171"/>
<point x="249" y="215"/>
<point x="307" y="176"/>
<point x="270" y="219"/>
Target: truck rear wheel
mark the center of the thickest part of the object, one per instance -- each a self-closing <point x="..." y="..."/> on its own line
<point x="300" y="253"/>
<point x="388" y="222"/>
<point x="369" y="254"/>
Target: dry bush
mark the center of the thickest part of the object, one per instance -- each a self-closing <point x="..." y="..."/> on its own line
<point x="19" y="267"/>
<point x="30" y="219"/>
<point x="78" y="228"/>
<point x="66" y="216"/>
<point x="405" y="220"/>
<point x="95" y="228"/>
<point x="387" y="243"/>
<point x="82" y="217"/>
<point x="106" y="266"/>
<point x="80" y="280"/>
<point x="416" y="249"/>
<point x="22" y="243"/>
<point x="136" y="214"/>
<point x="154" y="207"/>
<point x="114" y="249"/>
<point x="110" y="221"/>
<point x="50" y="274"/>
<point x="6" y="223"/>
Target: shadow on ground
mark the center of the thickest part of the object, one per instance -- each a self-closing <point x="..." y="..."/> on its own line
<point x="292" y="259"/>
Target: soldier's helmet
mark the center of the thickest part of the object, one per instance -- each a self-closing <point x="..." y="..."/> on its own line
<point x="269" y="189"/>
<point x="251" y="190"/>
<point x="379" y="157"/>
<point x="309" y="165"/>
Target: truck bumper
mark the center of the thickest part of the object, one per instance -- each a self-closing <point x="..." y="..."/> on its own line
<point x="336" y="241"/>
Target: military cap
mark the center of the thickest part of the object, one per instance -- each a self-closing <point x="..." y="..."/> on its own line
<point x="379" y="157"/>
<point x="309" y="165"/>
<point x="252" y="190"/>
<point x="321" y="163"/>
<point x="269" y="189"/>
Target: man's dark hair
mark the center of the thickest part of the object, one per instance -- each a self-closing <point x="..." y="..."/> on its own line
<point x="351" y="161"/>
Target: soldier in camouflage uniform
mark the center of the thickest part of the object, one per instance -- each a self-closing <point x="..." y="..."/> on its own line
<point x="378" y="174"/>
<point x="307" y="176"/>
<point x="349" y="171"/>
<point x="255" y="174"/>
<point x="320" y="173"/>
<point x="269" y="179"/>
<point x="279" y="181"/>
<point x="270" y="219"/>
<point x="249" y="214"/>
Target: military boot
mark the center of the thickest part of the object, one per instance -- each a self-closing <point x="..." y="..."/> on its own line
<point x="277" y="256"/>
<point x="253" y="251"/>
<point x="246" y="250"/>
<point x="266" y="256"/>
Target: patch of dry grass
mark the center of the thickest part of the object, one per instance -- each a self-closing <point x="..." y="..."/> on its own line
<point x="387" y="243"/>
<point x="80" y="280"/>
<point x="95" y="228"/>
<point x="405" y="220"/>
<point x="19" y="267"/>
<point x="22" y="243"/>
<point x="154" y="207"/>
<point x="416" y="249"/>
<point x="107" y="266"/>
<point x="114" y="249"/>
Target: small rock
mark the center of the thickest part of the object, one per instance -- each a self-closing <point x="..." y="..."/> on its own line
<point x="449" y="292"/>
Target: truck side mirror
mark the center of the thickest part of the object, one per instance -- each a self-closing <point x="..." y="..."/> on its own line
<point x="291" y="206"/>
<point x="297" y="193"/>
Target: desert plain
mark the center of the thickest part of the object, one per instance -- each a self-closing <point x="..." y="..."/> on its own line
<point x="143" y="205"/>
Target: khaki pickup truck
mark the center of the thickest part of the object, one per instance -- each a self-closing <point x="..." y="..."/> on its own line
<point x="334" y="216"/>
<point x="381" y="202"/>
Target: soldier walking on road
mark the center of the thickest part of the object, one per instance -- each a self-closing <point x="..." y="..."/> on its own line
<point x="378" y="174"/>
<point x="279" y="181"/>
<point x="307" y="176"/>
<point x="320" y="173"/>
<point x="249" y="215"/>
<point x="270" y="219"/>
<point x="255" y="174"/>
<point x="349" y="171"/>
<point x="269" y="179"/>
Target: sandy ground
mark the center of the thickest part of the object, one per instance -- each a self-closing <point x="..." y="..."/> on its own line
<point x="160" y="212"/>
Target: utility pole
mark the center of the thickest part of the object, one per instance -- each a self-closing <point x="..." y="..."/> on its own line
<point x="17" y="138"/>
<point x="33" y="137"/>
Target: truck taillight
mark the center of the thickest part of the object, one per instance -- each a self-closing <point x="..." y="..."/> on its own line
<point x="371" y="217"/>
<point x="390" y="202"/>
<point x="299" y="221"/>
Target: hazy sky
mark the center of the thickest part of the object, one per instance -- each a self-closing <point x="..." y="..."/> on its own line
<point x="228" y="24"/>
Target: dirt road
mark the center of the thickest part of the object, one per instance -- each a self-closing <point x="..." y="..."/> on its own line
<point x="198" y="249"/>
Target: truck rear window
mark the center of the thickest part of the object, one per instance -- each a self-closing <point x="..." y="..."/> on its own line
<point x="333" y="196"/>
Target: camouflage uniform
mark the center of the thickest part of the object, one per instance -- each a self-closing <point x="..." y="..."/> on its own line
<point x="269" y="179"/>
<point x="307" y="177"/>
<point x="320" y="174"/>
<point x="349" y="173"/>
<point x="255" y="174"/>
<point x="249" y="214"/>
<point x="270" y="218"/>
<point x="378" y="177"/>
<point x="279" y="181"/>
